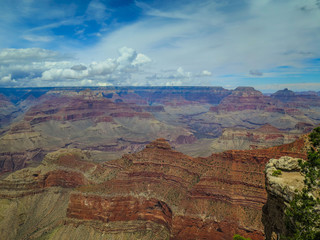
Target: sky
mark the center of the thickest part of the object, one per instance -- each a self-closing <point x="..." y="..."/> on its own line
<point x="267" y="44"/>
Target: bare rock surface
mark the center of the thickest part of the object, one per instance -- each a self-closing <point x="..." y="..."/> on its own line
<point x="156" y="193"/>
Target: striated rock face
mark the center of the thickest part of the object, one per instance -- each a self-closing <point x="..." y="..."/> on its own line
<point x="245" y="98"/>
<point x="263" y="137"/>
<point x="113" y="121"/>
<point x="119" y="209"/>
<point x="156" y="193"/>
<point x="79" y="108"/>
<point x="83" y="120"/>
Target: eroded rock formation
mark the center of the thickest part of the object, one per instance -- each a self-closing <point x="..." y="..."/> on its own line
<point x="156" y="193"/>
<point x="117" y="120"/>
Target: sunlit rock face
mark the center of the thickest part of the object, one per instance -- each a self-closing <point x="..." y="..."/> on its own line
<point x="281" y="189"/>
<point x="157" y="192"/>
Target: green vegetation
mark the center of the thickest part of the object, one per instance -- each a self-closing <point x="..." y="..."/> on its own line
<point x="238" y="237"/>
<point x="303" y="221"/>
<point x="276" y="173"/>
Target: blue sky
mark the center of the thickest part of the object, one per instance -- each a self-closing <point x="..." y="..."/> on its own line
<point x="268" y="44"/>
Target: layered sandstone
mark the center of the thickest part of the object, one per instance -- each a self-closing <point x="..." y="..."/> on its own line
<point x="85" y="120"/>
<point x="262" y="137"/>
<point x="156" y="192"/>
<point x="247" y="98"/>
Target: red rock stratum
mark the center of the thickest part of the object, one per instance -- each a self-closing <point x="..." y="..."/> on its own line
<point x="156" y="193"/>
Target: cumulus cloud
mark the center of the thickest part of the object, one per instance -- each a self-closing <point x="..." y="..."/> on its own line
<point x="224" y="37"/>
<point x="61" y="74"/>
<point x="23" y="65"/>
<point x="190" y="43"/>
<point x="109" y="70"/>
<point x="102" y="68"/>
<point x="6" y="79"/>
<point x="140" y="60"/>
<point x="41" y="67"/>
<point x="206" y="73"/>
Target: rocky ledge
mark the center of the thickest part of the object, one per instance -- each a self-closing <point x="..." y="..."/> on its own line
<point x="284" y="181"/>
<point x="283" y="177"/>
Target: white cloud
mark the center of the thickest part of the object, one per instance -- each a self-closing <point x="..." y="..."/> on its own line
<point x="41" y="67"/>
<point x="101" y="68"/>
<point x="37" y="38"/>
<point x="127" y="56"/>
<point x="242" y="39"/>
<point x="103" y="84"/>
<point x="62" y="74"/>
<point x="140" y="60"/>
<point x="26" y="55"/>
<point x="96" y="11"/>
<point x="182" y="74"/>
<point x="206" y="73"/>
<point x="225" y="37"/>
<point x="174" y="83"/>
<point x="6" y="79"/>
<point x="177" y="77"/>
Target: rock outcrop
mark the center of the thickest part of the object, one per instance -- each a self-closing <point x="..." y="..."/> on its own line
<point x="284" y="181"/>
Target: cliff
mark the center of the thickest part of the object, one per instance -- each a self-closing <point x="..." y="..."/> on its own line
<point x="262" y="137"/>
<point x="291" y="209"/>
<point x="156" y="193"/>
<point x="293" y="99"/>
<point x="83" y="120"/>
<point x="247" y="98"/>
<point x="113" y="121"/>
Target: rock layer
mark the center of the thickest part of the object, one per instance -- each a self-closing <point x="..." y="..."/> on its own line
<point x="156" y="192"/>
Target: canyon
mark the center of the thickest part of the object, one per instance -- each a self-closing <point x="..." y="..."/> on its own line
<point x="144" y="162"/>
<point x="157" y="192"/>
<point x="114" y="121"/>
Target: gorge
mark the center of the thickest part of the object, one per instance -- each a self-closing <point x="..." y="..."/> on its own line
<point x="144" y="163"/>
